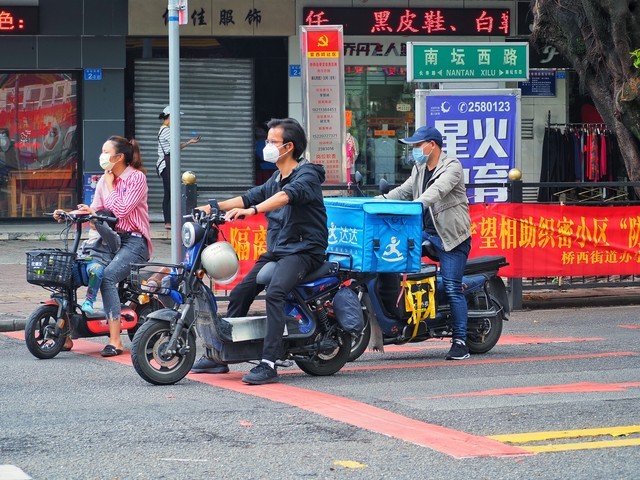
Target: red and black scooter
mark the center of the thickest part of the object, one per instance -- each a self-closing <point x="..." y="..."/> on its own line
<point x="60" y="316"/>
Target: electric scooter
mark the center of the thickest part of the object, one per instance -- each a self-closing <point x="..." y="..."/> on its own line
<point x="60" y="316"/>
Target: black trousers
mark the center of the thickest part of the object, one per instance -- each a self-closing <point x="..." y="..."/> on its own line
<point x="290" y="270"/>
<point x="166" y="199"/>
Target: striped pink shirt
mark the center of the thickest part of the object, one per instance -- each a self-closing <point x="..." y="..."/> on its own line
<point x="128" y="202"/>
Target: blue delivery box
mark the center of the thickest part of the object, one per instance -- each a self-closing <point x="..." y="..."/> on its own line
<point x="375" y="235"/>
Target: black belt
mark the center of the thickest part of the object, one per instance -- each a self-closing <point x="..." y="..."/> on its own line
<point x="129" y="234"/>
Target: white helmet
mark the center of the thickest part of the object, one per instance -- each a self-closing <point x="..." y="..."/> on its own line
<point x="221" y="262"/>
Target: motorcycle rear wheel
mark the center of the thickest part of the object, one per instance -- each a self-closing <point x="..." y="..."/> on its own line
<point x="150" y="361"/>
<point x="359" y="344"/>
<point x="328" y="363"/>
<point x="39" y="332"/>
<point x="483" y="334"/>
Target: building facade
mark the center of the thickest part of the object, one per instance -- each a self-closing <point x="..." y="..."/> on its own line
<point x="74" y="72"/>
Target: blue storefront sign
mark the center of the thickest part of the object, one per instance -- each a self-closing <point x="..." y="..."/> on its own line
<point x="482" y="131"/>
<point x="541" y="83"/>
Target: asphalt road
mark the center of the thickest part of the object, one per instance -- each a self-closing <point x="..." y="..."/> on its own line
<point x="391" y="415"/>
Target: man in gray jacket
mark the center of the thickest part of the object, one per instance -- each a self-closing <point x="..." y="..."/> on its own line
<point x="437" y="180"/>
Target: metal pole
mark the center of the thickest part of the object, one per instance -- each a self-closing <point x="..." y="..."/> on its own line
<point x="174" y="112"/>
<point x="516" y="283"/>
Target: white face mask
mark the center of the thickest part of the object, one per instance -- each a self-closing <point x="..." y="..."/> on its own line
<point x="270" y="153"/>
<point x="105" y="161"/>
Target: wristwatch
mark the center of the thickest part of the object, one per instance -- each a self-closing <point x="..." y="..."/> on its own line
<point x="255" y="209"/>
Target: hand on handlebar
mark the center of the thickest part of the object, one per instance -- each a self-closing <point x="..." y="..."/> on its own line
<point x="86" y="208"/>
<point x="237" y="213"/>
<point x="59" y="215"/>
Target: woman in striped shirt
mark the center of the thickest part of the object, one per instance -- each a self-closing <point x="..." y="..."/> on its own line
<point x="163" y="164"/>
<point x="123" y="190"/>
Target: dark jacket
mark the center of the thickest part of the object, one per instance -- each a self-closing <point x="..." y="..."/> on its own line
<point x="301" y="225"/>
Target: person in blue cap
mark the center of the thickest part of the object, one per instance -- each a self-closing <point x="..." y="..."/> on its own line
<point x="437" y="180"/>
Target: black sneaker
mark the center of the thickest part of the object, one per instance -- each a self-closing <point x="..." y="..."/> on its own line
<point x="206" y="365"/>
<point x="260" y="375"/>
<point x="458" y="351"/>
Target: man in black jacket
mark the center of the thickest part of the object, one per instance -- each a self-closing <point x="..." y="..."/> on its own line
<point x="296" y="239"/>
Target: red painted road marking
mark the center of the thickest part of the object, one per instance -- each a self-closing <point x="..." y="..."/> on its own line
<point x="446" y="363"/>
<point x="504" y="340"/>
<point x="445" y="440"/>
<point x="583" y="387"/>
<point x="629" y="326"/>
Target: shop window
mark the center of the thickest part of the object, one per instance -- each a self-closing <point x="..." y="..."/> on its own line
<point x="381" y="110"/>
<point x="38" y="143"/>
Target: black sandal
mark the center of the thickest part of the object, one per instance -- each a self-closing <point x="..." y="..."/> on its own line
<point x="110" y="351"/>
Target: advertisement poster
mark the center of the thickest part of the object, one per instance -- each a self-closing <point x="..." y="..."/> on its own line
<point x="482" y="130"/>
<point x="323" y="98"/>
<point x="38" y="138"/>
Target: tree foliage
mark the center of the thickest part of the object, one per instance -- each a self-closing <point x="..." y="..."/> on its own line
<point x="598" y="37"/>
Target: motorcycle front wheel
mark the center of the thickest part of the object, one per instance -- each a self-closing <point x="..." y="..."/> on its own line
<point x="150" y="358"/>
<point x="484" y="333"/>
<point x="329" y="362"/>
<point x="40" y="332"/>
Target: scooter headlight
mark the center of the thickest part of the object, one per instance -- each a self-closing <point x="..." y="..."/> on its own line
<point x="191" y="234"/>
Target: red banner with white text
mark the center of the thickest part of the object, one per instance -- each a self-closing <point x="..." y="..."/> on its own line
<point x="249" y="239"/>
<point x="537" y="240"/>
<point x="554" y="240"/>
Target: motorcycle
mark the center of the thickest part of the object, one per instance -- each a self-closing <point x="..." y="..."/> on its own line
<point x="409" y="308"/>
<point x="60" y="316"/>
<point x="317" y="337"/>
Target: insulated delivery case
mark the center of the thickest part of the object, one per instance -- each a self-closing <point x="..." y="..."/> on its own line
<point x="374" y="234"/>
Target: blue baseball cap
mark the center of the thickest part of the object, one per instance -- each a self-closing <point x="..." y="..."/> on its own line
<point x="424" y="134"/>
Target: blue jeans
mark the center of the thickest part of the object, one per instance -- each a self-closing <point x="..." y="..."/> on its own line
<point x="452" y="265"/>
<point x="132" y="250"/>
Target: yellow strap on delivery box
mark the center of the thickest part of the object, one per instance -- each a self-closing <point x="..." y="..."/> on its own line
<point x="414" y="291"/>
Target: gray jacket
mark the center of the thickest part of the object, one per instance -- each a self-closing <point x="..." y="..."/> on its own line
<point x="101" y="246"/>
<point x="445" y="198"/>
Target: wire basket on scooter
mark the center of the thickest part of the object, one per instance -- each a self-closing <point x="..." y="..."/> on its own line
<point x="156" y="278"/>
<point x="50" y="267"/>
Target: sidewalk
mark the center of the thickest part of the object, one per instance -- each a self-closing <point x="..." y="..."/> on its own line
<point x="19" y="298"/>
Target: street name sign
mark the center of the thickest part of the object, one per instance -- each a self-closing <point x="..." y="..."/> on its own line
<point x="466" y="61"/>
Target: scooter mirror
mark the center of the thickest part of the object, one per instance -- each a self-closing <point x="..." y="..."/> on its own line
<point x="357" y="177"/>
<point x="384" y="186"/>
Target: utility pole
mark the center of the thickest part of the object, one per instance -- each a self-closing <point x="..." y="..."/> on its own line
<point x="174" y="111"/>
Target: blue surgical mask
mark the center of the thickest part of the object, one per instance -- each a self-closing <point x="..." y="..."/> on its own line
<point x="418" y="155"/>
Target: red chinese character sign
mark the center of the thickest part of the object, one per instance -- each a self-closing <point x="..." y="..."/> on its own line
<point x="553" y="240"/>
<point x="18" y="20"/>
<point x="249" y="240"/>
<point x="322" y="63"/>
<point x="537" y="240"/>
<point x="432" y="21"/>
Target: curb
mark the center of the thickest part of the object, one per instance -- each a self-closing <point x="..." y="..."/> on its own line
<point x="43" y="236"/>
<point x="580" y="302"/>
<point x="12" y="325"/>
